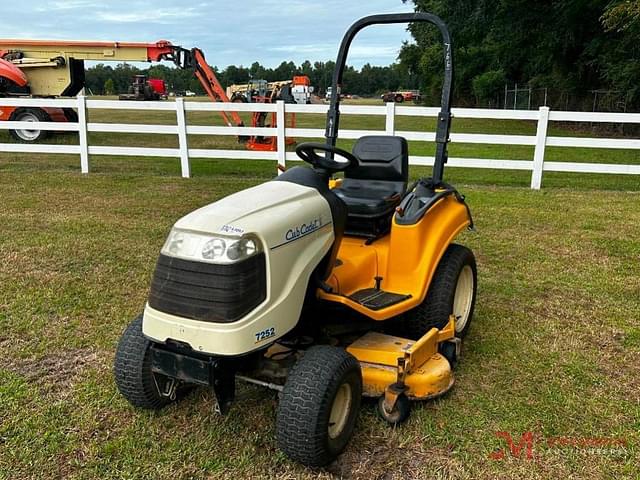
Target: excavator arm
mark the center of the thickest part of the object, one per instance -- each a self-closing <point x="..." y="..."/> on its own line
<point x="194" y="59"/>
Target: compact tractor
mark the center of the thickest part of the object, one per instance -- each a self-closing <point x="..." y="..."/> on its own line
<point x="144" y="89"/>
<point x="323" y="289"/>
<point x="402" y="96"/>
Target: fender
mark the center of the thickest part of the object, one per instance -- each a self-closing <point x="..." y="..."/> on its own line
<point x="416" y="250"/>
<point x="405" y="262"/>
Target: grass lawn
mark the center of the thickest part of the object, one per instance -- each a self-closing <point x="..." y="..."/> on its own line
<point x="554" y="347"/>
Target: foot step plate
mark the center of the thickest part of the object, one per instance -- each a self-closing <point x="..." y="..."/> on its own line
<point x="375" y="299"/>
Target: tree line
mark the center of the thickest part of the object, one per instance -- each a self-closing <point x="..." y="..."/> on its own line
<point x="104" y="79"/>
<point x="571" y="46"/>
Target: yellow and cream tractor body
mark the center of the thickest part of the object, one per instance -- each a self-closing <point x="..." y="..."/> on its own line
<point x="322" y="289"/>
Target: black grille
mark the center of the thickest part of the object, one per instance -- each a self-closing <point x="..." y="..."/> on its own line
<point x="208" y="292"/>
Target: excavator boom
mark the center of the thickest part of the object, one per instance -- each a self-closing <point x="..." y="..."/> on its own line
<point x="78" y="50"/>
<point x="212" y="86"/>
<point x="56" y="68"/>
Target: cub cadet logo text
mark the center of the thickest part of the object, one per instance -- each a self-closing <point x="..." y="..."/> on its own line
<point x="303" y="229"/>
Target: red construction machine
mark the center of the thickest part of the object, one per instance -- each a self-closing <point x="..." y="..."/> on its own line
<point x="143" y="88"/>
<point x="46" y="69"/>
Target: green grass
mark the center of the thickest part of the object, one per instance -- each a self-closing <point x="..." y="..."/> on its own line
<point x="553" y="348"/>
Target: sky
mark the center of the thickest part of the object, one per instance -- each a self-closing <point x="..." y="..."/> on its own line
<point x="238" y="33"/>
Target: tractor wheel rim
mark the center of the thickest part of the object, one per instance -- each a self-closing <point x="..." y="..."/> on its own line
<point x="27" y="135"/>
<point x="340" y="410"/>
<point x="463" y="297"/>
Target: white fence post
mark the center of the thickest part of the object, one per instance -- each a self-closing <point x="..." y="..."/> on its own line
<point x="281" y="141"/>
<point x="390" y="123"/>
<point x="82" y="134"/>
<point x="182" y="138"/>
<point x="541" y="142"/>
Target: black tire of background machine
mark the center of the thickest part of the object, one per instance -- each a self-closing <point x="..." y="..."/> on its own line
<point x="39" y="114"/>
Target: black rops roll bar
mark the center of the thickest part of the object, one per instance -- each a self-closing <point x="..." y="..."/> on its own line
<point x="444" y="117"/>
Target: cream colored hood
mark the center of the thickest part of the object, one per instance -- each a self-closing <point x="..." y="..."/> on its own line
<point x="278" y="212"/>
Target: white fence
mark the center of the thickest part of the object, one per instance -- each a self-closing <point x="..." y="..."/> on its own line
<point x="390" y="111"/>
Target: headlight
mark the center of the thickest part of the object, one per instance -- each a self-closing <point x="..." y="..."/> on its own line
<point x="210" y="248"/>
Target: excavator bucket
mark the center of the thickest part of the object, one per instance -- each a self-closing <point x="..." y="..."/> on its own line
<point x="13" y="73"/>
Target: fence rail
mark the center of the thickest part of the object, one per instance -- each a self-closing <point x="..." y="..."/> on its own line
<point x="537" y="165"/>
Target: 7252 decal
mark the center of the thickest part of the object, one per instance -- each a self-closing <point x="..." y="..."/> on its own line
<point x="264" y="334"/>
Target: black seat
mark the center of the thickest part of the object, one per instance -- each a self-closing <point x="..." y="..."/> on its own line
<point x="374" y="188"/>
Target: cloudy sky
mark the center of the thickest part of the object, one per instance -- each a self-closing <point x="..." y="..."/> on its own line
<point x="239" y="32"/>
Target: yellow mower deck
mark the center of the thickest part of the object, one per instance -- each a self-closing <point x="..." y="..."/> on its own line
<point x="417" y="366"/>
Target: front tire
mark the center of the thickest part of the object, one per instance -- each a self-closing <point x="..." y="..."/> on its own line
<point x="132" y="369"/>
<point x="452" y="291"/>
<point x="319" y="406"/>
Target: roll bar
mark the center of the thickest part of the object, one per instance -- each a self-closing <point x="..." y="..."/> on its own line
<point x="444" y="117"/>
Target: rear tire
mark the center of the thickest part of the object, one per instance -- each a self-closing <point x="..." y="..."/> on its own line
<point x="399" y="99"/>
<point x="132" y="369"/>
<point x="29" y="115"/>
<point x="452" y="291"/>
<point x="239" y="98"/>
<point x="71" y="115"/>
<point x="319" y="406"/>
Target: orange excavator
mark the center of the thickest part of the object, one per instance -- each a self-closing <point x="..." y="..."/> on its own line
<point x="46" y="69"/>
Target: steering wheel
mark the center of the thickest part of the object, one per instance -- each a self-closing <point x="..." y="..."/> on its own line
<point x="308" y="153"/>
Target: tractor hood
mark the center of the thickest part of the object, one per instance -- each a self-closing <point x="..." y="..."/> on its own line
<point x="277" y="212"/>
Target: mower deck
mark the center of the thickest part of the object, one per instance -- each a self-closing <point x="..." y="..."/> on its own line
<point x="415" y="367"/>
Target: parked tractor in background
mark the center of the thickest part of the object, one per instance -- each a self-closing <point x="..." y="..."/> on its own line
<point x="298" y="89"/>
<point x="402" y="96"/>
<point x="142" y="89"/>
<point x="253" y="91"/>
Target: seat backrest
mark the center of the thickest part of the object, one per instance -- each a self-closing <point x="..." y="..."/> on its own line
<point x="380" y="157"/>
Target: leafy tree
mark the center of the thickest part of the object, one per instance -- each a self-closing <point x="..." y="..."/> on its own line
<point x="623" y="16"/>
<point x="109" y="87"/>
<point x="570" y="45"/>
<point x="369" y="80"/>
<point x="487" y="86"/>
<point x="621" y="65"/>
